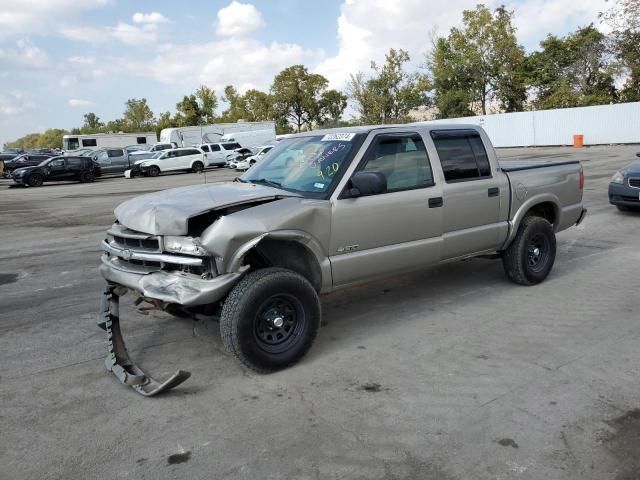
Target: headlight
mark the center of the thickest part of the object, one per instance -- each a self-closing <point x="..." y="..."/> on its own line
<point x="184" y="245"/>
<point x="618" y="177"/>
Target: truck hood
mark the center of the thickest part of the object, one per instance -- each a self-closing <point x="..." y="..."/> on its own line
<point x="168" y="212"/>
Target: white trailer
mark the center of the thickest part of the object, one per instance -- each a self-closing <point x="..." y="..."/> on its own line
<point x="190" y="136"/>
<point x="107" y="140"/>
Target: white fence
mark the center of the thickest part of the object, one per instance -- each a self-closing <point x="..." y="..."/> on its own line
<point x="602" y="124"/>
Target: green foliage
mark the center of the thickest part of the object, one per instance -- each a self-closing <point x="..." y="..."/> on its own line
<point x="51" y="138"/>
<point x="137" y="116"/>
<point x="576" y="70"/>
<point x="302" y="99"/>
<point x="390" y="93"/>
<point x="207" y="102"/>
<point x="92" y="123"/>
<point x="627" y="45"/>
<point x="188" y="112"/>
<point x="623" y="15"/>
<point x="479" y="63"/>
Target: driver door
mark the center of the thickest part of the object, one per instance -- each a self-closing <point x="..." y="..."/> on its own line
<point x="58" y="170"/>
<point x="391" y="232"/>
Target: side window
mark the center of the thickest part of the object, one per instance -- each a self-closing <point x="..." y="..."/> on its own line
<point x="462" y="155"/>
<point x="89" y="142"/>
<point x="74" y="162"/>
<point x="215" y="148"/>
<point x="141" y="140"/>
<point x="114" y="153"/>
<point x="205" y="148"/>
<point x="57" y="163"/>
<point x="402" y="159"/>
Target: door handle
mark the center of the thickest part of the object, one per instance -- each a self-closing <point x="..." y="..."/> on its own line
<point x="435" y="202"/>
<point x="494" y="192"/>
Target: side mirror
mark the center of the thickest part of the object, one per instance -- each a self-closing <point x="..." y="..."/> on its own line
<point x="367" y="183"/>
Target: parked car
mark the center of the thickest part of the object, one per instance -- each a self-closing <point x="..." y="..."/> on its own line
<point x="150" y="151"/>
<point x="326" y="210"/>
<point x="188" y="159"/>
<point x="241" y="154"/>
<point x="624" y="189"/>
<point x="112" y="160"/>
<point x="247" y="162"/>
<point x="219" y="154"/>
<point x="81" y="152"/>
<point x="55" y="169"/>
<point x="23" y="160"/>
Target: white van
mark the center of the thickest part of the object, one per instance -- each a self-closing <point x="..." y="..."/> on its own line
<point x="189" y="159"/>
<point x="195" y="135"/>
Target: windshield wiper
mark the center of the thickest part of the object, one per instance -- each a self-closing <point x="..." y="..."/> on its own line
<point x="238" y="179"/>
<point x="266" y="181"/>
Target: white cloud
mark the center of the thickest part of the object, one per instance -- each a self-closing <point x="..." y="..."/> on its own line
<point x="153" y="17"/>
<point x="77" y="102"/>
<point x="245" y="63"/>
<point x="82" y="60"/>
<point x="238" y="19"/>
<point x="24" y="55"/>
<point x="30" y="16"/>
<point x="14" y="103"/>
<point x="84" y="34"/>
<point x="133" y="35"/>
<point x="368" y="28"/>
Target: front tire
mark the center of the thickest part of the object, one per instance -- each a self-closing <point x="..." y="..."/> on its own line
<point x="154" y="171"/>
<point x="35" y="180"/>
<point x="270" y="319"/>
<point x="530" y="257"/>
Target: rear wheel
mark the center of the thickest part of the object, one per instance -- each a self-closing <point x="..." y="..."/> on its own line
<point x="86" y="177"/>
<point x="154" y="171"/>
<point x="197" y="167"/>
<point x="270" y="319"/>
<point x="530" y="257"/>
<point x="35" y="180"/>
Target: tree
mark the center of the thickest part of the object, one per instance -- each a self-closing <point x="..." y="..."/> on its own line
<point x="390" y="93"/>
<point x="332" y="104"/>
<point x="623" y="15"/>
<point x="297" y="98"/>
<point x="481" y="63"/>
<point x="165" y="121"/>
<point x="189" y="112"/>
<point x="137" y="116"/>
<point x="208" y="102"/>
<point x="92" y="123"/>
<point x="577" y="70"/>
<point x="628" y="57"/>
<point x="237" y="106"/>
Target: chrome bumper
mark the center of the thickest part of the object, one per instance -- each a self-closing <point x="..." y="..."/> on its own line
<point x="127" y="255"/>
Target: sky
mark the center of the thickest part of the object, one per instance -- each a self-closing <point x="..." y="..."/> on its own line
<point x="60" y="59"/>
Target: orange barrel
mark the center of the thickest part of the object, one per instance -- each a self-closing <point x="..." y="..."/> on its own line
<point x="578" y="141"/>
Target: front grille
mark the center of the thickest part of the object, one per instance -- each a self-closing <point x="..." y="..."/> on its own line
<point x="634" y="182"/>
<point x="137" y="243"/>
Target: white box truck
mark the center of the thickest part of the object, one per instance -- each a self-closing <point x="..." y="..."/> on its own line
<point x="254" y="134"/>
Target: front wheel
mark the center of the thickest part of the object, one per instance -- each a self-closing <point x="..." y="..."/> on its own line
<point x="35" y="180"/>
<point x="270" y="319"/>
<point x="197" y="167"/>
<point x="530" y="257"/>
<point x="154" y="171"/>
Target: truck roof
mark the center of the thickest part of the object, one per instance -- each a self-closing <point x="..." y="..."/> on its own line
<point x="402" y="126"/>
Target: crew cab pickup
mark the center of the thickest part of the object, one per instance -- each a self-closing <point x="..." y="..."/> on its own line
<point x="326" y="210"/>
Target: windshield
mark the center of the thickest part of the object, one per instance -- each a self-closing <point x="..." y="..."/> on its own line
<point x="47" y="161"/>
<point x="310" y="165"/>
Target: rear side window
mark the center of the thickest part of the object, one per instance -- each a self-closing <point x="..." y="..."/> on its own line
<point x="115" y="153"/>
<point x="462" y="155"/>
<point x="215" y="148"/>
<point x="231" y="146"/>
<point x="205" y="148"/>
<point x="141" y="140"/>
<point x="89" y="142"/>
<point x="74" y="162"/>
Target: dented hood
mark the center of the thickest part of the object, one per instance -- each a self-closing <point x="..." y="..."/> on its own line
<point x="168" y="212"/>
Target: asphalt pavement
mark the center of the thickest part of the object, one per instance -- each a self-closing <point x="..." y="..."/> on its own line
<point x="448" y="373"/>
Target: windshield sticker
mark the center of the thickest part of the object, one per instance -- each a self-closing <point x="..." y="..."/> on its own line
<point x="332" y="137"/>
<point x="318" y="185"/>
<point x="317" y="162"/>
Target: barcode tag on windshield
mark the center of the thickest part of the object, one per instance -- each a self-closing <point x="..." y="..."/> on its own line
<point x="332" y="137"/>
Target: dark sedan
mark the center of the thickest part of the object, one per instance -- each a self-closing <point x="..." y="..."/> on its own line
<point x="624" y="189"/>
<point x="54" y="169"/>
<point x="23" y="160"/>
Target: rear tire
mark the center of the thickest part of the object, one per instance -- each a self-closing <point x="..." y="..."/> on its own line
<point x="197" y="167"/>
<point x="270" y="319"/>
<point x="530" y="257"/>
<point x="35" y="180"/>
<point x="154" y="171"/>
<point x="86" y="177"/>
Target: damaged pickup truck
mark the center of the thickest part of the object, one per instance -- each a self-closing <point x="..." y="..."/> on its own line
<point x="325" y="210"/>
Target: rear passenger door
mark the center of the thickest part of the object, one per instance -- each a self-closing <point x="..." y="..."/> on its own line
<point x="397" y="230"/>
<point x="58" y="170"/>
<point x="471" y="194"/>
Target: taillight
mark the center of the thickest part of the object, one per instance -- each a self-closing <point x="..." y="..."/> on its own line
<point x="581" y="181"/>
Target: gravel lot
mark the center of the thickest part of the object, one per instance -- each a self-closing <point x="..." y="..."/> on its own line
<point x="449" y="373"/>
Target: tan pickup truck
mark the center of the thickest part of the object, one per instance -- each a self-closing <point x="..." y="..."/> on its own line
<point x="325" y="210"/>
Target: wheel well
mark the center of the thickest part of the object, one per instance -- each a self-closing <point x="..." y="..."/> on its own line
<point x="286" y="254"/>
<point x="546" y="210"/>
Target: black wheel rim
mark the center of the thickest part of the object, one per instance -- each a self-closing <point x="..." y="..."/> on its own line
<point x="279" y="323"/>
<point x="197" y="167"/>
<point x="538" y="252"/>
